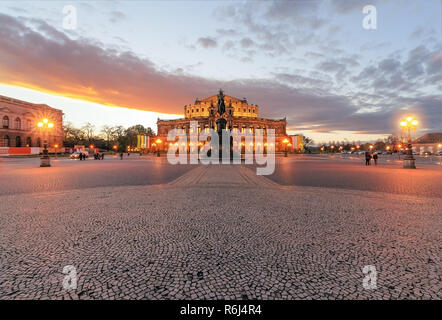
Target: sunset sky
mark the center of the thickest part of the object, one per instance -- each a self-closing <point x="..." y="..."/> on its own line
<point x="310" y="61"/>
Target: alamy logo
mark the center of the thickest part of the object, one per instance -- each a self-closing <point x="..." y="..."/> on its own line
<point x="70" y="280"/>
<point x="70" y="17"/>
<point x="370" y="280"/>
<point x="226" y="146"/>
<point x="369" y="22"/>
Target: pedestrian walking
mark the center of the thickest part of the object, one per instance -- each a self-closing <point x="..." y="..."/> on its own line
<point x="102" y="156"/>
<point x="121" y="156"/>
<point x="367" y="158"/>
<point x="375" y="158"/>
<point x="81" y="156"/>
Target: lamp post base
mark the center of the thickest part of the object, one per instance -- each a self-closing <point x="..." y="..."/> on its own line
<point x="409" y="163"/>
<point x="45" y="161"/>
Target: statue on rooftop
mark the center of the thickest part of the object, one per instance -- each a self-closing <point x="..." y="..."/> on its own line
<point x="221" y="105"/>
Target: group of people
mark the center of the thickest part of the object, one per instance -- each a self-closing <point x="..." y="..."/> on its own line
<point x="128" y="154"/>
<point x="98" y="156"/>
<point x="369" y="156"/>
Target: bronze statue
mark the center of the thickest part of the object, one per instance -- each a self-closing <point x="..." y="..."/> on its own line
<point x="221" y="105"/>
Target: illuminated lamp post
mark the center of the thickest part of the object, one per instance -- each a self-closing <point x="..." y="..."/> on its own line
<point x="398" y="148"/>
<point x="285" y="141"/>
<point x="45" y="125"/>
<point x="332" y="148"/>
<point x="408" y="124"/>
<point x="158" y="141"/>
<point x="55" y="147"/>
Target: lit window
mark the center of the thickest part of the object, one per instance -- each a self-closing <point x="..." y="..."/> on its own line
<point x="6" y="122"/>
<point x="17" y="123"/>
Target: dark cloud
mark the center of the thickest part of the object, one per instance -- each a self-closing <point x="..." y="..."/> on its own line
<point x="339" y="67"/>
<point x="347" y="6"/>
<point x="207" y="42"/>
<point x="228" y="32"/>
<point x="291" y="9"/>
<point x="35" y="55"/>
<point x="302" y="81"/>
<point x="274" y="27"/>
<point x="247" y="43"/>
<point x="421" y="68"/>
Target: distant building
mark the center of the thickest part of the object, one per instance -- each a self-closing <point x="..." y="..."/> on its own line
<point x="239" y="114"/>
<point x="19" y="119"/>
<point x="429" y="142"/>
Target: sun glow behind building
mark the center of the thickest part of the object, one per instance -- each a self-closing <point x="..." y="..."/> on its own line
<point x="80" y="112"/>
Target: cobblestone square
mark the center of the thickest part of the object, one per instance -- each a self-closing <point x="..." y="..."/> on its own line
<point x="219" y="232"/>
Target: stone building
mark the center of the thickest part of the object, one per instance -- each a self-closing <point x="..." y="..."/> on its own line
<point x="431" y="142"/>
<point x="239" y="115"/>
<point x="19" y="121"/>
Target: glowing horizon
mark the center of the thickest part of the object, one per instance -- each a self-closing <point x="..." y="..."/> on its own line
<point x="74" y="110"/>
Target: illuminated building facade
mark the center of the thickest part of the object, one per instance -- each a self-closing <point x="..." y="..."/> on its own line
<point x="239" y="115"/>
<point x="19" y="119"/>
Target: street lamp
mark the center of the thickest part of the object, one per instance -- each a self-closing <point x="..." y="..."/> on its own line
<point x="45" y="125"/>
<point x="408" y="124"/>
<point x="55" y="147"/>
<point x="158" y="141"/>
<point x="285" y="141"/>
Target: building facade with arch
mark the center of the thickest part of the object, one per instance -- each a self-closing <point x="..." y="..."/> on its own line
<point x="239" y="115"/>
<point x="19" y="124"/>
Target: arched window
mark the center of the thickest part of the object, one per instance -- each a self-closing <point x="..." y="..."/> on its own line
<point x="17" y="141"/>
<point x="28" y="142"/>
<point x="6" y="141"/>
<point x="17" y="123"/>
<point x="28" y="125"/>
<point x="5" y="122"/>
<point x="38" y="142"/>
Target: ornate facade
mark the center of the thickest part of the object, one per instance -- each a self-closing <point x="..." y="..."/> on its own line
<point x="19" y="121"/>
<point x="239" y="115"/>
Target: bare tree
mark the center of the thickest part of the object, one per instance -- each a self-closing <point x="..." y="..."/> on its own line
<point x="88" y="130"/>
<point x="108" y="133"/>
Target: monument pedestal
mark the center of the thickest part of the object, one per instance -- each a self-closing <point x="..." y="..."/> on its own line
<point x="409" y="162"/>
<point x="45" y="161"/>
<point x="409" y="159"/>
<point x="221" y="126"/>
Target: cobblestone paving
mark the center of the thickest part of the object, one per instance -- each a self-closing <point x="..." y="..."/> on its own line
<point x="246" y="238"/>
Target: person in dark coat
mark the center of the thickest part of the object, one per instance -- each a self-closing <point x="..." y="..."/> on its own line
<point x="367" y="158"/>
<point x="375" y="158"/>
